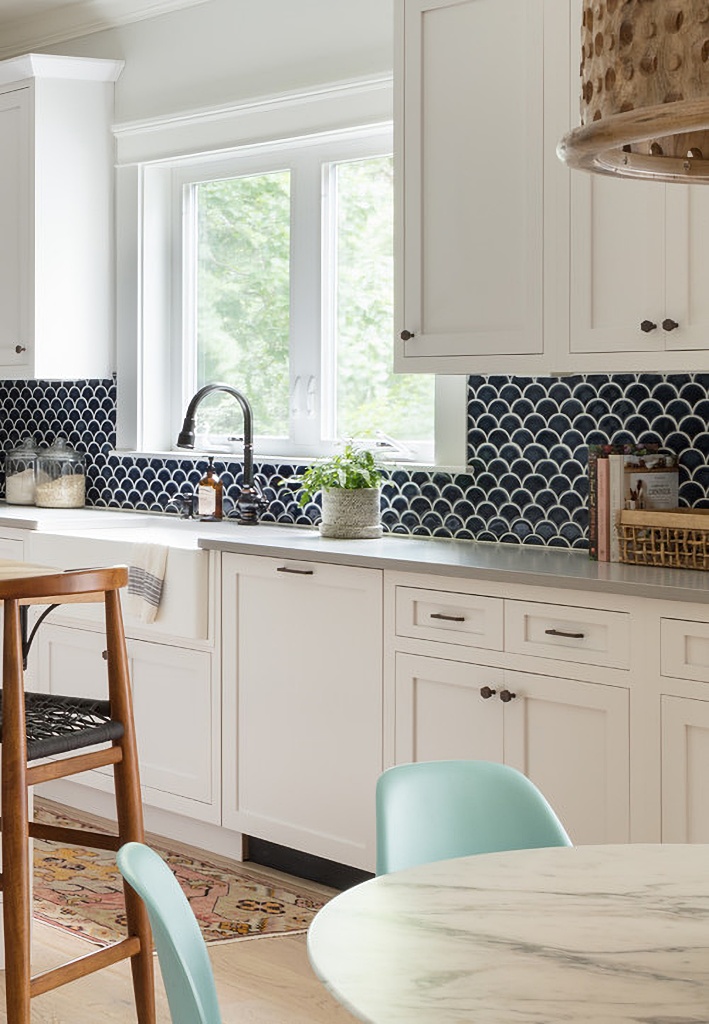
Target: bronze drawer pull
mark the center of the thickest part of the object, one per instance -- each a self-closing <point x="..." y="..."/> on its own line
<point x="486" y="692"/>
<point x="560" y="632"/>
<point x="506" y="696"/>
<point x="296" y="572"/>
<point x="447" y="618"/>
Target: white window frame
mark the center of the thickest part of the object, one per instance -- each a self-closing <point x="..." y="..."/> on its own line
<point x="154" y="158"/>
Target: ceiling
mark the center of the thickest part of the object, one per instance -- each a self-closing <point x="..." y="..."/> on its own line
<point x="28" y="24"/>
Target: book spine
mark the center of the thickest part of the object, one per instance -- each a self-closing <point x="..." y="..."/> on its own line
<point x="616" y="501"/>
<point x="603" y="502"/>
<point x="592" y="506"/>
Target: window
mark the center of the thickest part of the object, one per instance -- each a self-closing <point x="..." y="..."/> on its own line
<point x="269" y="264"/>
<point x="287" y="267"/>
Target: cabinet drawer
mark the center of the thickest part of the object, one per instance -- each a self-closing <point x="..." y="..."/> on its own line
<point x="568" y="634"/>
<point x="449" y="618"/>
<point x="684" y="647"/>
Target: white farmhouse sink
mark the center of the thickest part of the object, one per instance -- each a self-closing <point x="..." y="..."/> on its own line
<point x="184" y="607"/>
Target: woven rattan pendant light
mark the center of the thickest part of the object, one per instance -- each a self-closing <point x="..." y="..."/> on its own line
<point x="644" y="90"/>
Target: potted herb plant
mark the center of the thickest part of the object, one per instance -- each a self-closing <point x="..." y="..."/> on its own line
<point x="350" y="486"/>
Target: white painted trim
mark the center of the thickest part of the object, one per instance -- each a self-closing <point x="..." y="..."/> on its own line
<point x="73" y="20"/>
<point x="451" y="434"/>
<point x="340" y="105"/>
<point x="47" y="65"/>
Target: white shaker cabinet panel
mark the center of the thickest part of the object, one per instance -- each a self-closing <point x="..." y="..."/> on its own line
<point x="450" y="618"/>
<point x="470" y="161"/>
<point x="175" y="706"/>
<point x="617" y="266"/>
<point x="302" y="681"/>
<point x="56" y="216"/>
<point x="445" y="709"/>
<point x="685" y="769"/>
<point x="637" y="268"/>
<point x="684" y="646"/>
<point x="687" y="295"/>
<point x="572" y="739"/>
<point x="14" y="225"/>
<point x="586" y="635"/>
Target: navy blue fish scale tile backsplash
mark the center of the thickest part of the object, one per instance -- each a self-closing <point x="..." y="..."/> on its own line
<point x="527" y="439"/>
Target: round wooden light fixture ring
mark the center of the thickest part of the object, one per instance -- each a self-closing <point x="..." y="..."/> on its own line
<point x="644" y="90"/>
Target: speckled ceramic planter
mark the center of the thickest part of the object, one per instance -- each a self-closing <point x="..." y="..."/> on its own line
<point x="350" y="513"/>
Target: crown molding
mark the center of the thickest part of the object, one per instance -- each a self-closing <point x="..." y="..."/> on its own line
<point x="334" y="107"/>
<point x="47" y="65"/>
<point x="72" y="20"/>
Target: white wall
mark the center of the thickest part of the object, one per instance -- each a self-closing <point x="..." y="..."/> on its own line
<point x="227" y="50"/>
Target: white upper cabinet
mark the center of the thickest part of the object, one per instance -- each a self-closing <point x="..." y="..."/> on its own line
<point x="56" y="237"/>
<point x="507" y="261"/>
<point x="473" y="160"/>
<point x="637" y="268"/>
<point x="638" y="256"/>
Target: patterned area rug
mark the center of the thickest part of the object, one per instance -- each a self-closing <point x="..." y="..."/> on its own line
<point x="82" y="891"/>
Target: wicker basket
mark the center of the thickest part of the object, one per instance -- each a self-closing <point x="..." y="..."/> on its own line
<point x="676" y="539"/>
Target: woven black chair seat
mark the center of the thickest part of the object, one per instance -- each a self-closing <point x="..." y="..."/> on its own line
<point x="58" y="724"/>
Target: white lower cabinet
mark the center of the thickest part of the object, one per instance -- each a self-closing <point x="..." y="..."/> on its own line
<point x="685" y="768"/>
<point x="12" y="548"/>
<point x="571" y="738"/>
<point x="176" y="708"/>
<point x="302" y="713"/>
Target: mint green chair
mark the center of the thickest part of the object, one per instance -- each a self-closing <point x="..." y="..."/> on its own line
<point x="434" y="810"/>
<point x="182" y="953"/>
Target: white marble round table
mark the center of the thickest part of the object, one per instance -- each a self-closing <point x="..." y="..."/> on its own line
<point x="584" y="934"/>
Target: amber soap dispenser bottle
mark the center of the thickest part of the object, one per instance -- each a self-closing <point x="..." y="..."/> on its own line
<point x="209" y="494"/>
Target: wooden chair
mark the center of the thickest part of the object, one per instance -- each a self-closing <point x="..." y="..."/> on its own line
<point x="36" y="726"/>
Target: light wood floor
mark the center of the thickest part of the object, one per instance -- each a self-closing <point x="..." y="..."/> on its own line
<point x="259" y="981"/>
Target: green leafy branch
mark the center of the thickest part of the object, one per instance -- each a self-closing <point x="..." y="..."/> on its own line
<point x="353" y="469"/>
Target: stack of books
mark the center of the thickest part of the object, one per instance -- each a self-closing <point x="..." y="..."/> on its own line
<point x="625" y="476"/>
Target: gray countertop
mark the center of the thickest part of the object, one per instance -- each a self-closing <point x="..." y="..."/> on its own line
<point x="572" y="570"/>
<point x="552" y="567"/>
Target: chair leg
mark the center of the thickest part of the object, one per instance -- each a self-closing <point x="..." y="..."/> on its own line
<point x="129" y="807"/>
<point x="15" y="829"/>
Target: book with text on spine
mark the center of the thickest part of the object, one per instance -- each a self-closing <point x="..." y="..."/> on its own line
<point x="603" y="507"/>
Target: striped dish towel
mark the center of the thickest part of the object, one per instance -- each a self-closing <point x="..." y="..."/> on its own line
<point x="146" y="574"/>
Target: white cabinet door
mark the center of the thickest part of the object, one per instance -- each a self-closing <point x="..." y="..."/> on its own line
<point x="56" y="225"/>
<point x="638" y="257"/>
<point x="447" y="709"/>
<point x="470" y="158"/>
<point x="302" y="677"/>
<point x="687" y="295"/>
<point x="685" y="768"/>
<point x="14" y="226"/>
<point x="176" y="710"/>
<point x="617" y="265"/>
<point x="570" y="738"/>
<point x="12" y="548"/>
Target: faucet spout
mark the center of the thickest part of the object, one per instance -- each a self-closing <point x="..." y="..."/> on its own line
<point x="250" y="499"/>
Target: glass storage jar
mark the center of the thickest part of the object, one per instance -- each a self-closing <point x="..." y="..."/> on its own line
<point x="60" y="476"/>
<point x="19" y="473"/>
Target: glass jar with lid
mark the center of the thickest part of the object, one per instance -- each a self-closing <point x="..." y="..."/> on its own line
<point x="19" y="473"/>
<point x="60" y="476"/>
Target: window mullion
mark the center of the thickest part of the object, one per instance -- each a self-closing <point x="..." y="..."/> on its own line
<point x="305" y="302"/>
<point x="329" y="302"/>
